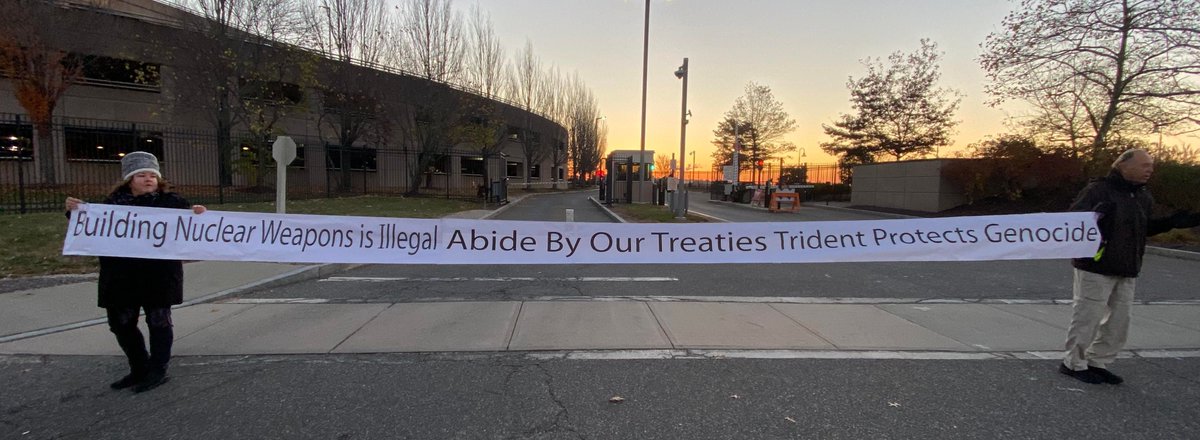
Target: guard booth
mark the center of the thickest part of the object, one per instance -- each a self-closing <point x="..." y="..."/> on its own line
<point x="627" y="178"/>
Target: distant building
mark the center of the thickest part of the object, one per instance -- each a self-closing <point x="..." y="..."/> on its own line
<point x="131" y="97"/>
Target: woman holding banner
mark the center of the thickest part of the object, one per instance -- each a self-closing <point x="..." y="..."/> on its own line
<point x="129" y="285"/>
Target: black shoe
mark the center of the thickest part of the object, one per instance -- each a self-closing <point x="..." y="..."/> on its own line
<point x="151" y="381"/>
<point x="1082" y="375"/>
<point x="129" y="380"/>
<point x="1105" y="375"/>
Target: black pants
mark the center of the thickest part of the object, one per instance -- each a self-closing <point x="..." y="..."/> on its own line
<point x="122" y="321"/>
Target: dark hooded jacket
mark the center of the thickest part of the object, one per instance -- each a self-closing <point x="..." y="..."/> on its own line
<point x="130" y="282"/>
<point x="1124" y="222"/>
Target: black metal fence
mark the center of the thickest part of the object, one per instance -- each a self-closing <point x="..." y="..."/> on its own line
<point x="88" y="153"/>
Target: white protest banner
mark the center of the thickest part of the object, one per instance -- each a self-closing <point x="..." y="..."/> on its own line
<point x="109" y="230"/>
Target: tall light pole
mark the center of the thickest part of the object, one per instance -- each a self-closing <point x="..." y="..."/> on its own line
<point x="693" y="163"/>
<point x="680" y="198"/>
<point x="645" y="60"/>
<point x="594" y="142"/>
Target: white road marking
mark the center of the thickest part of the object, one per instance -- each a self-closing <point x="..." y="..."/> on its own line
<point x="823" y="354"/>
<point x="497" y="279"/>
<point x="704" y="214"/>
<point x="276" y="301"/>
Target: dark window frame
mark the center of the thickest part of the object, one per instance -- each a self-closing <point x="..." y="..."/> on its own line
<point x="108" y="145"/>
<point x="366" y="158"/>
<point x="476" y="163"/>
<point x="103" y="71"/>
<point x="16" y="141"/>
<point x="271" y="92"/>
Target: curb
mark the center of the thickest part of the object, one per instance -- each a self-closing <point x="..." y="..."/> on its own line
<point x="842" y="208"/>
<point x="301" y="274"/>
<point x="607" y="211"/>
<point x="506" y="206"/>
<point x="1173" y="253"/>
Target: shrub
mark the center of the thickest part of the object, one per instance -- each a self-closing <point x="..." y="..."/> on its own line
<point x="1176" y="186"/>
<point x="1044" y="176"/>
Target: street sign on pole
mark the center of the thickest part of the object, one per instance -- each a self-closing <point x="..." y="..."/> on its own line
<point x="284" y="152"/>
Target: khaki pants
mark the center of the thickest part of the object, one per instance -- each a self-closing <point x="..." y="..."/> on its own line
<point x="1100" y="323"/>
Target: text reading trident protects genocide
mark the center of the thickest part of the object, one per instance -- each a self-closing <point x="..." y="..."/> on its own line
<point x="111" y="230"/>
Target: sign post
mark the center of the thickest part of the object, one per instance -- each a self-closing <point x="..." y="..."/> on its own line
<point x="284" y="152"/>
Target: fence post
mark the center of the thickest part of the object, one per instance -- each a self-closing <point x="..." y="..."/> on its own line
<point x="20" y="170"/>
<point x="325" y="154"/>
<point x="220" y="177"/>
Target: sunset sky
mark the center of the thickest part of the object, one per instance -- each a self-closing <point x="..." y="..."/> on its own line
<point x="805" y="50"/>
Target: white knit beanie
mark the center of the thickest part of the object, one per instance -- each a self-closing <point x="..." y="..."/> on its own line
<point x="139" y="161"/>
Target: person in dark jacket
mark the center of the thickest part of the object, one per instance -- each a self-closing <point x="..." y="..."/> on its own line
<point x="1104" y="284"/>
<point x="129" y="285"/>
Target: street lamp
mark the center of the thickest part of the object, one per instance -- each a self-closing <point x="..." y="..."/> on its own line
<point x="680" y="198"/>
<point x="693" y="163"/>
<point x="596" y="133"/>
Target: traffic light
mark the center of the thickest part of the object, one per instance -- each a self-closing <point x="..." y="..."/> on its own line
<point x="758" y="163"/>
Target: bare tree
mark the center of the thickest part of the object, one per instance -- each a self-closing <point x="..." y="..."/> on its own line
<point x="486" y="131"/>
<point x="434" y="37"/>
<point x="40" y="70"/>
<point x="763" y="123"/>
<point x="525" y="89"/>
<point x="899" y="110"/>
<point x="233" y="70"/>
<point x="485" y="62"/>
<point x="431" y="121"/>
<point x="349" y="32"/>
<point x="553" y="99"/>
<point x="585" y="135"/>
<point x="1111" y="64"/>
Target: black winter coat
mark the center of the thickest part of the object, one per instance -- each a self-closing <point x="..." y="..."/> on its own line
<point x="1124" y="224"/>
<point x="130" y="282"/>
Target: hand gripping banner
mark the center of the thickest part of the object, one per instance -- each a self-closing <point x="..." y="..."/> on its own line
<point x="125" y="231"/>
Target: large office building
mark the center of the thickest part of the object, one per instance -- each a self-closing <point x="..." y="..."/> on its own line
<point x="145" y="84"/>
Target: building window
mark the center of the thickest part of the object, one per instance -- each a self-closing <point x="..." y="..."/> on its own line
<point x="361" y="159"/>
<point x="513" y="169"/>
<point x="472" y="165"/>
<point x="108" y="144"/>
<point x="115" y="72"/>
<point x="439" y="165"/>
<point x="16" y="141"/>
<point x="535" y="172"/>
<point x="352" y="105"/>
<point x="274" y="92"/>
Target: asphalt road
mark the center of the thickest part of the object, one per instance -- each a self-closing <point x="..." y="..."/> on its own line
<point x="513" y="396"/>
<point x="553" y="207"/>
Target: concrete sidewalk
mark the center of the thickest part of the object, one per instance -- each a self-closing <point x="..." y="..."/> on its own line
<point x="247" y="327"/>
<point x="30" y="312"/>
